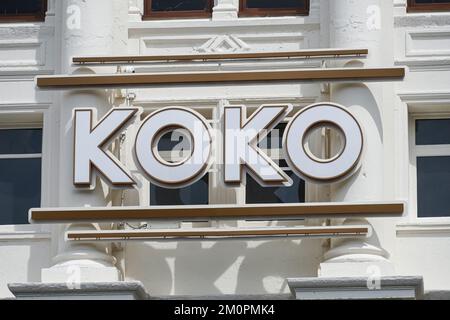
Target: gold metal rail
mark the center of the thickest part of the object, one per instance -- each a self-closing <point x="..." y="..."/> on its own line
<point x="210" y="233"/>
<point x="150" y="79"/>
<point x="319" y="53"/>
<point x="278" y="211"/>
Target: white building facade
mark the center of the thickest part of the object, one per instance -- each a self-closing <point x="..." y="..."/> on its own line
<point x="406" y="157"/>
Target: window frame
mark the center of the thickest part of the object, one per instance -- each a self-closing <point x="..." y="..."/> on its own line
<point x="412" y="7"/>
<point x="263" y="12"/>
<point x="152" y="15"/>
<point x="17" y="156"/>
<point x="35" y="17"/>
<point x="423" y="151"/>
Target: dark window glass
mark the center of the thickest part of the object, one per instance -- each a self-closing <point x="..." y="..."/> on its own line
<point x="195" y="194"/>
<point x="179" y="5"/>
<point x="20" y="141"/>
<point x="433" y="186"/>
<point x="271" y="4"/>
<point x="172" y="147"/>
<point x="19" y="6"/>
<point x="172" y="140"/>
<point x="23" y="8"/>
<point x="256" y="194"/>
<point x="274" y="139"/>
<point x="432" y="131"/>
<point x="156" y="9"/>
<point x="20" y="189"/>
<point x="282" y="163"/>
<point x="428" y="5"/>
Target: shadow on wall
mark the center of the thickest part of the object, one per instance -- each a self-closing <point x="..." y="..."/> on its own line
<point x="359" y="99"/>
<point x="221" y="267"/>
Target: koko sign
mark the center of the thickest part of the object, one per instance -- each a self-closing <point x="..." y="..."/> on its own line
<point x="239" y="138"/>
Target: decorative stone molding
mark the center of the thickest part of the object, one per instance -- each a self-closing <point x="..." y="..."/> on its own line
<point x="435" y="19"/>
<point x="425" y="49"/>
<point x="427" y="43"/>
<point x="424" y="65"/>
<point x="27" y="53"/>
<point x="405" y="288"/>
<point x="426" y="101"/>
<point x="224" y="43"/>
<point x="423" y="229"/>
<point x="437" y="295"/>
<point x="87" y="291"/>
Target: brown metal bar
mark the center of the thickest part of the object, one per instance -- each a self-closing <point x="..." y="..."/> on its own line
<point x="323" y="53"/>
<point x="260" y="232"/>
<point x="310" y="210"/>
<point x="414" y="6"/>
<point x="148" y="79"/>
<point x="246" y="11"/>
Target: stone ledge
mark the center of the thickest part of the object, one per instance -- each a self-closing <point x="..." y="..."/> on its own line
<point x="229" y="297"/>
<point x="87" y="291"/>
<point x="437" y="295"/>
<point x="350" y="288"/>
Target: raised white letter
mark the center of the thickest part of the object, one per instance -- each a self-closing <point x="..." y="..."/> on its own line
<point x="90" y="143"/>
<point x="241" y="138"/>
<point x="304" y="163"/>
<point x="185" y="172"/>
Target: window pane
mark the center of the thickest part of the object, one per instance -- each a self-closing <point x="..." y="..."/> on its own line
<point x="256" y="194"/>
<point x="176" y="139"/>
<point x="271" y="4"/>
<point x="20" y="141"/>
<point x="433" y="186"/>
<point x="432" y="1"/>
<point x="179" y="5"/>
<point x="274" y="139"/>
<point x="432" y="131"/>
<point x="20" y="189"/>
<point x="17" y="7"/>
<point x="195" y="194"/>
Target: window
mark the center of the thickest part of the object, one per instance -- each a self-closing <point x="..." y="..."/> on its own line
<point x="157" y="9"/>
<point x="428" y="5"/>
<point x="431" y="156"/>
<point x="22" y="10"/>
<point x="256" y="194"/>
<point x="174" y="146"/>
<point x="20" y="174"/>
<point x="195" y="194"/>
<point x="273" y="8"/>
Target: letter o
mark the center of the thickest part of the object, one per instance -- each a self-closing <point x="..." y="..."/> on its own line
<point x="174" y="175"/>
<point x="311" y="168"/>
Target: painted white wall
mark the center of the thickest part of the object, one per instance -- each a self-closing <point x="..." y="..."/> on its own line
<point x="227" y="267"/>
<point x="23" y="257"/>
<point x="419" y="41"/>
